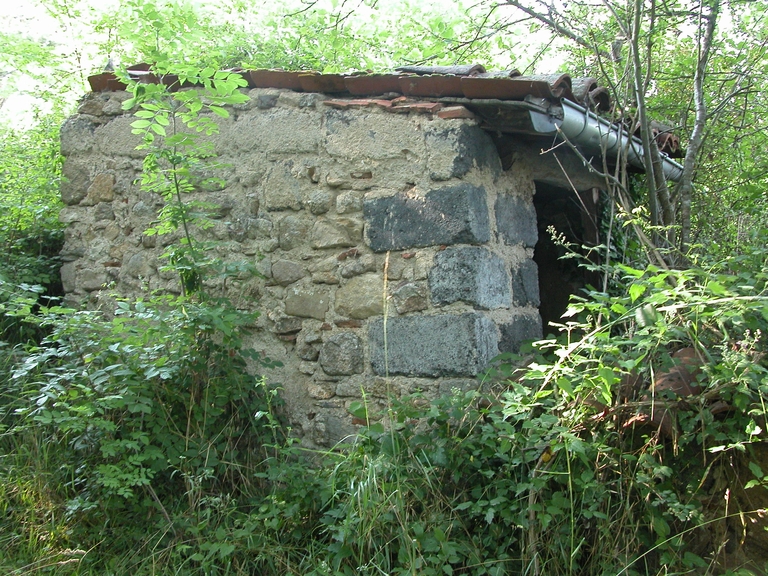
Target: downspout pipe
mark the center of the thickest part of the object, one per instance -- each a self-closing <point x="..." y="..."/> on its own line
<point x="595" y="136"/>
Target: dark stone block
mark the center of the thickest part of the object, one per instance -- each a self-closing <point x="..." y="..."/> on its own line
<point x="525" y="285"/>
<point x="521" y="328"/>
<point x="433" y="346"/>
<point x="452" y="215"/>
<point x="516" y="220"/>
<point x="472" y="145"/>
<point x="470" y="274"/>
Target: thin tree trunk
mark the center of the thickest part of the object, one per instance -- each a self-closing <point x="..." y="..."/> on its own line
<point x="667" y="207"/>
<point x="685" y="186"/>
<point x="642" y="117"/>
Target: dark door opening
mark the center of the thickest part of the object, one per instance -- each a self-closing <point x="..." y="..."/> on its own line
<point x="572" y="219"/>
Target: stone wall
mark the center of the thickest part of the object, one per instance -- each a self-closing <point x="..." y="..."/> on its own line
<point x="396" y="252"/>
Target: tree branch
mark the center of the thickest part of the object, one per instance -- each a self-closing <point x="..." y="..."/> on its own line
<point x="557" y="27"/>
<point x="694" y="144"/>
<point x="639" y="92"/>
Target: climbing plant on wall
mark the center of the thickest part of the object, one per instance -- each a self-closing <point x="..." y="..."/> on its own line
<point x="170" y="123"/>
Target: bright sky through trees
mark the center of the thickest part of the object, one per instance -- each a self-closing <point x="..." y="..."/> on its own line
<point x="74" y="39"/>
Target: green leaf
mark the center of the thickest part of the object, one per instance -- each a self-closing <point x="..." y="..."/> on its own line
<point x="633" y="272"/>
<point x="693" y="560"/>
<point x="660" y="526"/>
<point x="716" y="288"/>
<point x="226" y="549"/>
<point x="607" y="378"/>
<point x="565" y="385"/>
<point x="573" y="310"/>
<point x="138" y="124"/>
<point x="619" y="308"/>
<point x="753" y="429"/>
<point x="219" y="111"/>
<point x="607" y="374"/>
<point x="358" y="410"/>
<point x="377" y="428"/>
<point x="636" y="290"/>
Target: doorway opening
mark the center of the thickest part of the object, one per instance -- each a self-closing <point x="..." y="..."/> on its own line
<point x="564" y="219"/>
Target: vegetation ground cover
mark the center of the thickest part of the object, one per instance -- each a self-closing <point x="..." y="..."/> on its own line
<point x="144" y="439"/>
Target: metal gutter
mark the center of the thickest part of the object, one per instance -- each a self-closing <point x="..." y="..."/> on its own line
<point x="595" y="136"/>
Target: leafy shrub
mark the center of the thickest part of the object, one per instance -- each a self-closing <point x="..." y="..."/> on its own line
<point x="30" y="232"/>
<point x="561" y="467"/>
<point x="148" y="428"/>
<point x="153" y="412"/>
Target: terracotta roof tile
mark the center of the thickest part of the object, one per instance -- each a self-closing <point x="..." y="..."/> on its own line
<point x="501" y="99"/>
<point x="455" y="112"/>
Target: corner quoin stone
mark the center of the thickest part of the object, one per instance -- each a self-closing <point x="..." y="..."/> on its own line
<point x="470" y="274"/>
<point x="451" y="215"/>
<point x="525" y="285"/>
<point x="521" y="328"/>
<point x="454" y="151"/>
<point x="433" y="346"/>
<point x="516" y="220"/>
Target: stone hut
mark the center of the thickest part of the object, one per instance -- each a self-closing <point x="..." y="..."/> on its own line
<point x="402" y="238"/>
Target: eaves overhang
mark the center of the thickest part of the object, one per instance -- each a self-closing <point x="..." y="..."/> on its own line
<point x="563" y="120"/>
<point x="553" y="106"/>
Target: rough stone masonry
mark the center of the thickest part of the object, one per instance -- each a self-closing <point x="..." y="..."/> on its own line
<point x="396" y="252"/>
